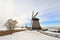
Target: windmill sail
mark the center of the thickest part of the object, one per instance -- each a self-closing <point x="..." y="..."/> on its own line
<point x="35" y="14"/>
<point x="32" y="13"/>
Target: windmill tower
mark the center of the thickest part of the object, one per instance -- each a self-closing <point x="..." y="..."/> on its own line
<point x="35" y="21"/>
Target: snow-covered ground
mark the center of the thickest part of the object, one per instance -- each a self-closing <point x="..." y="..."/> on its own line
<point x="4" y="29"/>
<point x="28" y="35"/>
<point x="52" y="32"/>
<point x="19" y="28"/>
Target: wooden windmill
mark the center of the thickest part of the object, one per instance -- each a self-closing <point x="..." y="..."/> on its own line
<point x="35" y="21"/>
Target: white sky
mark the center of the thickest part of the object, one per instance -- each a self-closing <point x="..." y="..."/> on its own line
<point x="21" y="10"/>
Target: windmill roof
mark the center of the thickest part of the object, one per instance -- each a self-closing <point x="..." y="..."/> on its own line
<point x="35" y="19"/>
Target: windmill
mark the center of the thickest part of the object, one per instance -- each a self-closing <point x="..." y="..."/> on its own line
<point x="35" y="21"/>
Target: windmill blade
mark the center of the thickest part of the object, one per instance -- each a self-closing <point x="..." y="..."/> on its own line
<point x="32" y="16"/>
<point x="32" y="13"/>
<point x="35" y="14"/>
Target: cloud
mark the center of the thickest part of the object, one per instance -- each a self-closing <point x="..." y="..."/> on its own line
<point x="21" y="10"/>
<point x="49" y="14"/>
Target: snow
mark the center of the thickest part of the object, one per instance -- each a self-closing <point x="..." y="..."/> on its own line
<point x="3" y="29"/>
<point x="55" y="34"/>
<point x="20" y="29"/>
<point x="52" y="32"/>
<point x="28" y="35"/>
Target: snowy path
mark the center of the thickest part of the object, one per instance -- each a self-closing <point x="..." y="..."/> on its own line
<point x="28" y="35"/>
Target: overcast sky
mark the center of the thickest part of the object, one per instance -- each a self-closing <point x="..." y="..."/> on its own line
<point x="21" y="10"/>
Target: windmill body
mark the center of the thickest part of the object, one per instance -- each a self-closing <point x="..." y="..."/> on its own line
<point x="35" y="22"/>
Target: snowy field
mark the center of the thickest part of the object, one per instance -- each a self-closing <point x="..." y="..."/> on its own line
<point x="54" y="34"/>
<point x="28" y="35"/>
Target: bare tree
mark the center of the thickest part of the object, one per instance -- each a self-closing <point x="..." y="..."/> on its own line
<point x="10" y="24"/>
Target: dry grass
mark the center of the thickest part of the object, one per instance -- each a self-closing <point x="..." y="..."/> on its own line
<point x="7" y="32"/>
